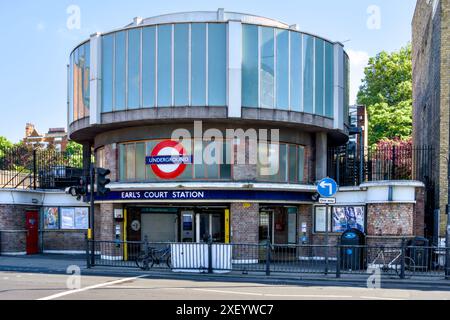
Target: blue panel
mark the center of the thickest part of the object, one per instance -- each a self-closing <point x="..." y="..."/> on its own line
<point x="198" y="58"/>
<point x="181" y="60"/>
<point x="107" y="72"/>
<point x="120" y="72"/>
<point x="165" y="66"/>
<point x="319" y="77"/>
<point x="134" y="57"/>
<point x="282" y="80"/>
<point x="250" y="74"/>
<point x="329" y="79"/>
<point x="149" y="66"/>
<point x="296" y="71"/>
<point x="217" y="64"/>
<point x="267" y="68"/>
<point x="308" y="74"/>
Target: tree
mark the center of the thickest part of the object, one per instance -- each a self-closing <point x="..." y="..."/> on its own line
<point x="4" y="145"/>
<point x="74" y="154"/>
<point x="387" y="93"/>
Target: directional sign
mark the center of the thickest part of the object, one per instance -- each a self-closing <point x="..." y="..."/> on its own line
<point x="327" y="187"/>
<point x="327" y="200"/>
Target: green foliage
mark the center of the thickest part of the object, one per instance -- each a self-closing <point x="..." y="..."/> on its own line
<point x="74" y="154"/>
<point x="387" y="93"/>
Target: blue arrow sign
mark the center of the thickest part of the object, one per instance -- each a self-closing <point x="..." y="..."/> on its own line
<point x="327" y="187"/>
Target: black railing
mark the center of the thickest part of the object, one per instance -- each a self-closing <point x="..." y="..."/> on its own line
<point x="393" y="260"/>
<point x="351" y="166"/>
<point x="24" y="168"/>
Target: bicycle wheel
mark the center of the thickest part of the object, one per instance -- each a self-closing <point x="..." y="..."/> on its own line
<point x="169" y="262"/>
<point x="410" y="267"/>
<point x="142" y="261"/>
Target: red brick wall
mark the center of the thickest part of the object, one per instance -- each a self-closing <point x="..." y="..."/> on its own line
<point x="60" y="240"/>
<point x="390" y="219"/>
<point x="419" y="213"/>
<point x="244" y="223"/>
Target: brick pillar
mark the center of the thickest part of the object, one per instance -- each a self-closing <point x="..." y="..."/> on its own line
<point x="245" y="231"/>
<point x="419" y="213"/>
<point x="105" y="226"/>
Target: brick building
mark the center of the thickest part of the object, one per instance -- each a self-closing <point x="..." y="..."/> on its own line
<point x="56" y="137"/>
<point x="431" y="94"/>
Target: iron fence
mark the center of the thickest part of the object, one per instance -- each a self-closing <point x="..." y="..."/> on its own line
<point x="397" y="261"/>
<point x="351" y="166"/>
<point x="24" y="168"/>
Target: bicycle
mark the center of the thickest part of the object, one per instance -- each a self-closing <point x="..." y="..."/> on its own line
<point x="388" y="265"/>
<point x="153" y="256"/>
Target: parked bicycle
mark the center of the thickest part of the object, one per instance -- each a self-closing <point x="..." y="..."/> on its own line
<point x="153" y="256"/>
<point x="387" y="264"/>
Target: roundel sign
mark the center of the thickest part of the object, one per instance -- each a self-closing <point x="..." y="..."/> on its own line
<point x="168" y="159"/>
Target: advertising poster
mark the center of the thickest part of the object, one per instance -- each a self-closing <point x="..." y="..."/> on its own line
<point x="51" y="221"/>
<point x="350" y="217"/>
<point x="67" y="218"/>
<point x="81" y="218"/>
<point x="320" y="223"/>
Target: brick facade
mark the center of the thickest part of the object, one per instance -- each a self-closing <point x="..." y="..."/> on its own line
<point x="386" y="219"/>
<point x="12" y="228"/>
<point x="431" y="90"/>
<point x="244" y="222"/>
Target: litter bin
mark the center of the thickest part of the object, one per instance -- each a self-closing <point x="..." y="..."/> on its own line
<point x="417" y="251"/>
<point x="352" y="250"/>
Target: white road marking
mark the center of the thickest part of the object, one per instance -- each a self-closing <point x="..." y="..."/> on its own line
<point x="100" y="285"/>
<point x="380" y="298"/>
<point x="231" y="292"/>
<point x="308" y="296"/>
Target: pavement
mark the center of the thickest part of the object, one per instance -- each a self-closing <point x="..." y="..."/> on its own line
<point x="59" y="264"/>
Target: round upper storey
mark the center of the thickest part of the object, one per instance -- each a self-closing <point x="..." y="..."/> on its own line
<point x="211" y="66"/>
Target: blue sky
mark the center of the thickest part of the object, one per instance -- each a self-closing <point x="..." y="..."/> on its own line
<point x="36" y="41"/>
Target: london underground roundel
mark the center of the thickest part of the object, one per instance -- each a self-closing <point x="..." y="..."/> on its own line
<point x="168" y="159"/>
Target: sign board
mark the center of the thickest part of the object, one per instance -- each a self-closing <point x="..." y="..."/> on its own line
<point x="327" y="200"/>
<point x="169" y="159"/>
<point x="327" y="187"/>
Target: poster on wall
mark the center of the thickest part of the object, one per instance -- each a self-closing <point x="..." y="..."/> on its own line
<point x="51" y="220"/>
<point x="350" y="217"/>
<point x="81" y="218"/>
<point x="67" y="218"/>
<point x="320" y="221"/>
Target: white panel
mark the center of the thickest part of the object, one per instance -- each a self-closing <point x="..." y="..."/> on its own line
<point x="95" y="79"/>
<point x="338" y="86"/>
<point x="234" y="69"/>
<point x="378" y="194"/>
<point x="404" y="193"/>
<point x="351" y="197"/>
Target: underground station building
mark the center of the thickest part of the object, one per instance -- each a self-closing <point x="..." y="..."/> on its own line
<point x="217" y="79"/>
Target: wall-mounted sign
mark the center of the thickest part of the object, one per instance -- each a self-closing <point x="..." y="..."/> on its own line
<point x="118" y="213"/>
<point x="135" y="225"/>
<point x="168" y="159"/>
<point x="216" y="195"/>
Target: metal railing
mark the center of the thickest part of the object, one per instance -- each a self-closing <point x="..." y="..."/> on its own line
<point x="398" y="261"/>
<point x="25" y="168"/>
<point x="351" y="166"/>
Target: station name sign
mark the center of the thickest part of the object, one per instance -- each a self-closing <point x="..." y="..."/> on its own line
<point x="226" y="195"/>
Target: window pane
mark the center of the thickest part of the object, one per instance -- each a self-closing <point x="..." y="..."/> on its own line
<point x="319" y="75"/>
<point x="150" y="175"/>
<point x="267" y="68"/>
<point x="329" y="79"/>
<point x="85" y="65"/>
<point x="282" y="69"/>
<point x="250" y="66"/>
<point x="76" y="86"/>
<point x="148" y="66"/>
<point x="296" y="71"/>
<point x="301" y="164"/>
<point x="107" y="73"/>
<point x="71" y="89"/>
<point x="165" y="66"/>
<point x="293" y="171"/>
<point x="225" y="167"/>
<point x="134" y="57"/>
<point x="120" y="70"/>
<point x="198" y="57"/>
<point x="282" y="174"/>
<point x="199" y="169"/>
<point x="140" y="161"/>
<point x="217" y="64"/>
<point x="131" y="163"/>
<point x="181" y="81"/>
<point x="308" y="73"/>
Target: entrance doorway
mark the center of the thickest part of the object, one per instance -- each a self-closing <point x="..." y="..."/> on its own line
<point x="32" y="226"/>
<point x="211" y="225"/>
<point x="278" y="225"/>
